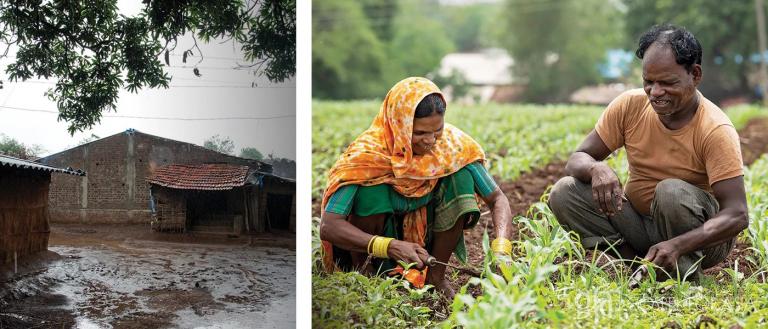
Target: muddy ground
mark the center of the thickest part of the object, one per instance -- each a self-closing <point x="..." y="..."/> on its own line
<point x="128" y="277"/>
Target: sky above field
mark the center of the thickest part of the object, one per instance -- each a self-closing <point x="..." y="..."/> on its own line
<point x="261" y="117"/>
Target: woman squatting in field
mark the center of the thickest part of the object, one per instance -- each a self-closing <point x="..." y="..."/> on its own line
<point x="406" y="189"/>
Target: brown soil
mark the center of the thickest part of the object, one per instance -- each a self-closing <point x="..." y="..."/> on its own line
<point x="740" y="252"/>
<point x="754" y="140"/>
<point x="528" y="189"/>
<point x="522" y="193"/>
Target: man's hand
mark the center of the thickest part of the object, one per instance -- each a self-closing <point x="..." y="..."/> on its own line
<point x="408" y="252"/>
<point x="606" y="190"/>
<point x="664" y="254"/>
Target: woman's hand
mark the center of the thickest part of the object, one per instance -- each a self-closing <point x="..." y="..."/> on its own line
<point x="408" y="252"/>
<point x="501" y="213"/>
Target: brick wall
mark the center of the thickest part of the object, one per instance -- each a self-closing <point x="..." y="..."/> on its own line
<point x="115" y="188"/>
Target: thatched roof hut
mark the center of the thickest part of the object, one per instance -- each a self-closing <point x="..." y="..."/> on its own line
<point x="24" y="216"/>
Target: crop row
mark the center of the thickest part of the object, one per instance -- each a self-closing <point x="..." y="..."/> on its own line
<point x="551" y="281"/>
<point x="516" y="138"/>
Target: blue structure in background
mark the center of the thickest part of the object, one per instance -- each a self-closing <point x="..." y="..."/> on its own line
<point x="617" y="63"/>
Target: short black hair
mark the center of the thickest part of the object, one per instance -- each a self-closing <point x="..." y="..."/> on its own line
<point x="682" y="42"/>
<point x="430" y="104"/>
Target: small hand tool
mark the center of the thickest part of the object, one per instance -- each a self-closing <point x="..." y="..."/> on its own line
<point x="637" y="276"/>
<point x="432" y="261"/>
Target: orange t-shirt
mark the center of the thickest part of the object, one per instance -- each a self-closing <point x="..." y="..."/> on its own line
<point x="703" y="152"/>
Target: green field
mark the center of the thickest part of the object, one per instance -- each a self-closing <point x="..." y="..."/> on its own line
<point x="516" y="139"/>
<point x="551" y="281"/>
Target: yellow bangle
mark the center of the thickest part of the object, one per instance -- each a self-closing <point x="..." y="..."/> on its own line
<point x="380" y="247"/>
<point x="501" y="245"/>
<point x="376" y="248"/>
<point x="383" y="246"/>
<point x="370" y="242"/>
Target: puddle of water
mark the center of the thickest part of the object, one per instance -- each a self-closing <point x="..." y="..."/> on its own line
<point x="184" y="286"/>
<point x="159" y="284"/>
<point x="83" y="323"/>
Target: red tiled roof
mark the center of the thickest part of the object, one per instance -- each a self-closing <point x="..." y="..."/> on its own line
<point x="213" y="177"/>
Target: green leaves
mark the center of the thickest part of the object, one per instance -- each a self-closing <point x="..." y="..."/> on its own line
<point x="516" y="138"/>
<point x="11" y="147"/>
<point x="361" y="48"/>
<point x="555" y="48"/>
<point x="222" y="145"/>
<point x="551" y="281"/>
<point x="94" y="52"/>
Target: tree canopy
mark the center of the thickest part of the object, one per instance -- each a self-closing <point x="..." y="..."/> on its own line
<point x="251" y="153"/>
<point x="558" y="46"/>
<point x="727" y="32"/>
<point x="220" y="144"/>
<point x="347" y="55"/>
<point x="282" y="167"/>
<point x="361" y="48"/>
<point x="94" y="51"/>
<point x="11" y="147"/>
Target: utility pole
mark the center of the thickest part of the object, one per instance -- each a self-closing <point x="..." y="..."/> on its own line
<point x="761" y="45"/>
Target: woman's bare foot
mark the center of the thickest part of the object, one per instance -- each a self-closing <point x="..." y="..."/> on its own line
<point x="444" y="287"/>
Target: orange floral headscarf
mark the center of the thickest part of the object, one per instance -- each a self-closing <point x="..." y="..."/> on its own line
<point x="383" y="154"/>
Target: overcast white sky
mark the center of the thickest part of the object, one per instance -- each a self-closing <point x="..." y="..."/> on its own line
<point x="221" y="92"/>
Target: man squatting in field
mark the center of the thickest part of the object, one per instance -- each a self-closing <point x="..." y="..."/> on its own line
<point x="684" y="201"/>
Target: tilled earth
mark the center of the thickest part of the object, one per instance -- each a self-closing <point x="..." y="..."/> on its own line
<point x="529" y="187"/>
<point x="127" y="277"/>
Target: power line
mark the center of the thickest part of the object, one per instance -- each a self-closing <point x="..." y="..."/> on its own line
<point x="233" y="86"/>
<point x="184" y="86"/>
<point x="161" y="118"/>
<point x="197" y="57"/>
<point x="207" y="80"/>
<point x="189" y="57"/>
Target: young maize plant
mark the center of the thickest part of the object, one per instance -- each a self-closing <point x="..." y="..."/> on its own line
<point x="550" y="281"/>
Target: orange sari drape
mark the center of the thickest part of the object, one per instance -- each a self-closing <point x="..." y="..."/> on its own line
<point x="383" y="154"/>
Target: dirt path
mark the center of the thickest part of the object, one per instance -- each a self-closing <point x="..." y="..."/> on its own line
<point x="126" y="277"/>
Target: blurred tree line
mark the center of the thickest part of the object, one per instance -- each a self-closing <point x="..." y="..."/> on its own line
<point x="727" y="31"/>
<point x="282" y="167"/>
<point x="360" y="48"/>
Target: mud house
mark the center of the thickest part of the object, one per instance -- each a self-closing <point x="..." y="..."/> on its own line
<point x="116" y="189"/>
<point x="488" y="74"/>
<point x="24" y="211"/>
<point x="219" y="198"/>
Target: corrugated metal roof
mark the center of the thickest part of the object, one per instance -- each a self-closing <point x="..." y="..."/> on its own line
<point x="8" y="161"/>
<point x="210" y="177"/>
<point x="280" y="178"/>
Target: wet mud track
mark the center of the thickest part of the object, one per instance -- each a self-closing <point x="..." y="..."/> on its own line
<point x="100" y="280"/>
